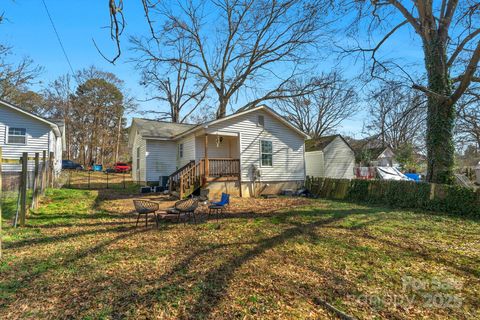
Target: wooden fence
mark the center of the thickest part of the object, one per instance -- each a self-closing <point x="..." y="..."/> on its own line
<point x="33" y="172"/>
<point x="402" y="194"/>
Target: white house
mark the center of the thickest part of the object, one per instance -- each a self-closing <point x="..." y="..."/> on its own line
<point x="329" y="156"/>
<point x="22" y="131"/>
<point x="247" y="153"/>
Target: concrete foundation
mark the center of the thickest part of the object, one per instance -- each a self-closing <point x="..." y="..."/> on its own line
<point x="251" y="189"/>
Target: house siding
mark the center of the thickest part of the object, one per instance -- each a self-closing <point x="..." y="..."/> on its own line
<point x="188" y="151"/>
<point x="160" y="159"/>
<point x="339" y="160"/>
<point x="228" y="148"/>
<point x="139" y="175"/>
<point x="40" y="137"/>
<point x="315" y="164"/>
<point x="288" y="147"/>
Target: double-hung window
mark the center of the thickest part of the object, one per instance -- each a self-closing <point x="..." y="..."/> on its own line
<point x="180" y="150"/>
<point x="266" y="150"/>
<point x="17" y="136"/>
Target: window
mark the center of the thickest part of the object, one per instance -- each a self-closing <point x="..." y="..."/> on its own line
<point x="180" y="150"/>
<point x="138" y="158"/>
<point x="17" y="136"/>
<point x="261" y="121"/>
<point x="266" y="153"/>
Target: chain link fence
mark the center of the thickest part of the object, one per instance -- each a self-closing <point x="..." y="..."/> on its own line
<point x="95" y="180"/>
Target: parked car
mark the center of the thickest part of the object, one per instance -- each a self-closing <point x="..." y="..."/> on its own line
<point x="70" y="165"/>
<point x="122" y="167"/>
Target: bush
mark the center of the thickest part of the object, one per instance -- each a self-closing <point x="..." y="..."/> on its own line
<point x="401" y="194"/>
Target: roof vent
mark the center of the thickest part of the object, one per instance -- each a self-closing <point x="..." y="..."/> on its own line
<point x="261" y="121"/>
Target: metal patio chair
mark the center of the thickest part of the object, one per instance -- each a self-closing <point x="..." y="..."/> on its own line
<point x="145" y="207"/>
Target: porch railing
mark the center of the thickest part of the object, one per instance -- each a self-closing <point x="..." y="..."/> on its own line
<point x="174" y="178"/>
<point x="223" y="167"/>
<point x="194" y="175"/>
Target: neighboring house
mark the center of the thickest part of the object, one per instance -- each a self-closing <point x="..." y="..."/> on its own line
<point x="330" y="157"/>
<point x="382" y="157"/>
<point x="22" y="131"/>
<point x="256" y="149"/>
<point x="372" y="152"/>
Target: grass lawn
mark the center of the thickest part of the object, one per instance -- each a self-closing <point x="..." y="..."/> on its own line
<point x="81" y="257"/>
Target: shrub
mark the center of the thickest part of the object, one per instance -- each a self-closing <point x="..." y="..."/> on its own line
<point x="402" y="194"/>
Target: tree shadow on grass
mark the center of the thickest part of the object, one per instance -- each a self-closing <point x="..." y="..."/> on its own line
<point x="430" y="254"/>
<point x="26" y="280"/>
<point x="216" y="282"/>
<point x="62" y="237"/>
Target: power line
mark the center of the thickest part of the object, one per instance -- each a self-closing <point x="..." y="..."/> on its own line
<point x="59" y="40"/>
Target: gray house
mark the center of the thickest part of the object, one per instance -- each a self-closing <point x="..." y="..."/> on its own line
<point x="329" y="156"/>
<point x="22" y="131"/>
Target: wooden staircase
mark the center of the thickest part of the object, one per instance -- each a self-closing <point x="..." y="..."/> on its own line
<point x="193" y="175"/>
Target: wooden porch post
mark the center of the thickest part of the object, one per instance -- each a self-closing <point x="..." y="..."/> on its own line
<point x="240" y="193"/>
<point x="207" y="167"/>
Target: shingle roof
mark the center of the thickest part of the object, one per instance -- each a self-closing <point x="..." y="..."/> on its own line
<point x="375" y="152"/>
<point x="160" y="129"/>
<point x="319" y="143"/>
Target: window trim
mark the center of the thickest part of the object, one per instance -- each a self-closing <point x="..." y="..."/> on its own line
<point x="138" y="158"/>
<point x="7" y="136"/>
<point x="261" y="153"/>
<point x="261" y="125"/>
<point x="180" y="150"/>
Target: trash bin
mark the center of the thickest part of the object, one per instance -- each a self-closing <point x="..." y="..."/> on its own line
<point x="477" y="173"/>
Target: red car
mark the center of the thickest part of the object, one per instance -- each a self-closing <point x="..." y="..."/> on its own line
<point x="122" y="167"/>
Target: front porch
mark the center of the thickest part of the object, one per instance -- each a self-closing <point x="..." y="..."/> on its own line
<point x="223" y="166"/>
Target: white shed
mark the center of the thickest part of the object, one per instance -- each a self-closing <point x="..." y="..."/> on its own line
<point x="330" y="157"/>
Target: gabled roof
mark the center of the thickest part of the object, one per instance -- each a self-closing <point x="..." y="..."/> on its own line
<point x="376" y="152"/>
<point x="159" y="129"/>
<point x="53" y="125"/>
<point x="240" y="113"/>
<point x="321" y="143"/>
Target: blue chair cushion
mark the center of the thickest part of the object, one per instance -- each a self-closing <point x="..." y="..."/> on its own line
<point x="224" y="200"/>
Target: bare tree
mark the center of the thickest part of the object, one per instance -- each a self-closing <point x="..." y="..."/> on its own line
<point x="467" y="127"/>
<point x="171" y="83"/>
<point x="15" y="79"/>
<point x="449" y="32"/>
<point x="91" y="112"/>
<point x="238" y="45"/>
<point x="331" y="100"/>
<point x="58" y="95"/>
<point x="397" y="116"/>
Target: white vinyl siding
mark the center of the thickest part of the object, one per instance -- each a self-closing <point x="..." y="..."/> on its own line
<point x="288" y="146"/>
<point x="139" y="148"/>
<point x="188" y="150"/>
<point x="339" y="159"/>
<point x="160" y="160"/>
<point x="336" y="160"/>
<point x="227" y="148"/>
<point x="39" y="137"/>
<point x="315" y="164"/>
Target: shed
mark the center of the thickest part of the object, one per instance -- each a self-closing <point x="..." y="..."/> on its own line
<point x="329" y="156"/>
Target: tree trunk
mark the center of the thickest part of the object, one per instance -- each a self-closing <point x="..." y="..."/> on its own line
<point x="222" y="108"/>
<point x="441" y="114"/>
<point x="119" y="132"/>
<point x="175" y="114"/>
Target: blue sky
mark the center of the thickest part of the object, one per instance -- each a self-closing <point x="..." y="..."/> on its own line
<point x="29" y="32"/>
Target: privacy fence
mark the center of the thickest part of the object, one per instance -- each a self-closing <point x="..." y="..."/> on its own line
<point x="402" y="194"/>
<point x="23" y="182"/>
